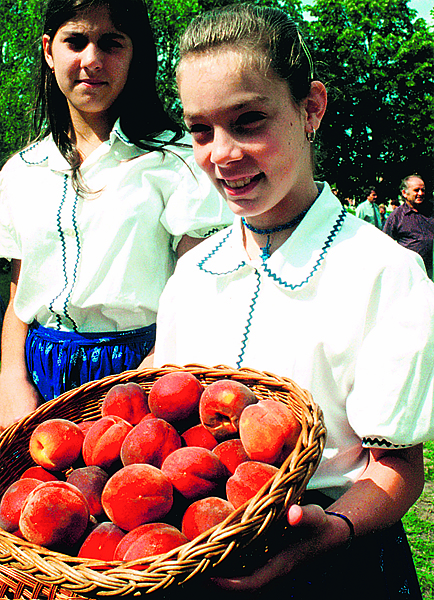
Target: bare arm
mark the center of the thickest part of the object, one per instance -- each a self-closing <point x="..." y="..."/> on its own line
<point x="18" y="396"/>
<point x="391" y="483"/>
<point x="187" y="243"/>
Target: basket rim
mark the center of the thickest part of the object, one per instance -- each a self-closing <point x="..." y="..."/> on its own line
<point x="244" y="518"/>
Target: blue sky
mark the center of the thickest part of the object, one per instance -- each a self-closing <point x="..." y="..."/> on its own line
<point x="423" y="7"/>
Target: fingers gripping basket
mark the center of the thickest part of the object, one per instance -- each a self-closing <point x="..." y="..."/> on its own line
<point x="30" y="571"/>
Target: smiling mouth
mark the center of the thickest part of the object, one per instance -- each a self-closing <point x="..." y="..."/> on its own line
<point x="240" y="183"/>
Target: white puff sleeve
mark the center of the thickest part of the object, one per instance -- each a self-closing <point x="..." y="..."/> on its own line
<point x="391" y="404"/>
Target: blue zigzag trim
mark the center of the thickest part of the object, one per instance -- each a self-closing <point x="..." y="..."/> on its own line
<point x="249" y="320"/>
<point x="23" y="152"/>
<point x="213" y="251"/>
<point x="74" y="274"/>
<point x="63" y="245"/>
<point x="292" y="286"/>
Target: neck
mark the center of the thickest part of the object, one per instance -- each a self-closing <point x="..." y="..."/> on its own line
<point x="89" y="132"/>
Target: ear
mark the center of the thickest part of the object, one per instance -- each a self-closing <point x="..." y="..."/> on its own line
<point x="315" y="106"/>
<point x="46" y="47"/>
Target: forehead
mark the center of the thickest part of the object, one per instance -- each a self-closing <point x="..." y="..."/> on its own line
<point x="91" y="19"/>
<point x="225" y="80"/>
<point x="415" y="182"/>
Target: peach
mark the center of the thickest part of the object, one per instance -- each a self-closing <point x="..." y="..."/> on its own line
<point x="86" y="425"/>
<point x="90" y="481"/>
<point x="56" y="444"/>
<point x="195" y="472"/>
<point x="221" y="405"/>
<point x="175" y="396"/>
<point x="204" y="514"/>
<point x="102" y="542"/>
<point x="103" y="442"/>
<point x="198" y="435"/>
<point x="13" y="500"/>
<point x="38" y="472"/>
<point x="149" y="540"/>
<point x="231" y="453"/>
<point x="248" y="479"/>
<point x="269" y="431"/>
<point x="126" y="400"/>
<point x="137" y="494"/>
<point x="54" y="514"/>
<point x="150" y="442"/>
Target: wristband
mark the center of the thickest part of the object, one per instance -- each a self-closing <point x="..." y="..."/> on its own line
<point x="348" y="522"/>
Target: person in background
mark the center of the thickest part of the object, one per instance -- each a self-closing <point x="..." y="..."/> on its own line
<point x="412" y="223"/>
<point x="265" y="295"/>
<point x="383" y="215"/>
<point x="368" y="209"/>
<point x="94" y="213"/>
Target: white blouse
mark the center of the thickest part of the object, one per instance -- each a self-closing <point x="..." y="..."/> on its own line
<point x="340" y="308"/>
<point x="100" y="264"/>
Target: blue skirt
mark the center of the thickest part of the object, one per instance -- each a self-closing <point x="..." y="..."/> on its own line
<point x="59" y="361"/>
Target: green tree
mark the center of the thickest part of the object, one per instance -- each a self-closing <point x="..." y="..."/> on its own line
<point x="377" y="62"/>
<point x="20" y="22"/>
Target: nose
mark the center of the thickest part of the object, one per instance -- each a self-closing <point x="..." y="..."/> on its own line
<point x="225" y="149"/>
<point x="92" y="57"/>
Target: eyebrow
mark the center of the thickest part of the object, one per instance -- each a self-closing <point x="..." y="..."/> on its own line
<point x="77" y="33"/>
<point x="235" y="107"/>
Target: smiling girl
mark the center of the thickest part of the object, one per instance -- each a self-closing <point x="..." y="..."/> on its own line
<point x="299" y="287"/>
<point x="94" y="212"/>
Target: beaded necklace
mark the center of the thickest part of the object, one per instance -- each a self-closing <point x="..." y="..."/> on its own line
<point x="265" y="251"/>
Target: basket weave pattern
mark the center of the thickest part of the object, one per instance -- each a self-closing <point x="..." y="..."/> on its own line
<point x="30" y="571"/>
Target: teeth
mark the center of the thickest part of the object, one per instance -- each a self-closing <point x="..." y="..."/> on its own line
<point x="239" y="182"/>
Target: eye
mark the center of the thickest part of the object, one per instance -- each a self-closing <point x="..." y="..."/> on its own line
<point x="199" y="131"/>
<point x="249" y="120"/>
<point x="76" y="42"/>
<point x="107" y="44"/>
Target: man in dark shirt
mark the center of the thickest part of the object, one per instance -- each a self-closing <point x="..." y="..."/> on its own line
<point x="412" y="223"/>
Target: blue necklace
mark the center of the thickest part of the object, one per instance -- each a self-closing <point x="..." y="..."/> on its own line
<point x="265" y="251"/>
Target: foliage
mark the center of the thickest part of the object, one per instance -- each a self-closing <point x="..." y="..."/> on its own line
<point x="375" y="57"/>
<point x="19" y="45"/>
<point x="378" y="64"/>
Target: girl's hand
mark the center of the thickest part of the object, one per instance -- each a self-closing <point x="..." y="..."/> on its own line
<point x="316" y="533"/>
<point x="18" y="398"/>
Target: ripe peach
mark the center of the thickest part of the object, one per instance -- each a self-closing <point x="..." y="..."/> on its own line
<point x="195" y="472"/>
<point x="55" y="513"/>
<point x="231" y="453"/>
<point x="269" y="431"/>
<point x="150" y="442"/>
<point x="175" y="396"/>
<point x="90" y="481"/>
<point x="12" y="502"/>
<point x="103" y="442"/>
<point x="151" y="539"/>
<point x="221" y="405"/>
<point x="56" y="444"/>
<point x="137" y="494"/>
<point x="102" y="542"/>
<point x="126" y="400"/>
<point x="248" y="479"/>
<point x="38" y="472"/>
<point x="86" y="425"/>
<point x="198" y="435"/>
<point x="204" y="514"/>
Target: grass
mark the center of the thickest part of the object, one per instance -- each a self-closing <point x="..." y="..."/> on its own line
<point x="419" y="525"/>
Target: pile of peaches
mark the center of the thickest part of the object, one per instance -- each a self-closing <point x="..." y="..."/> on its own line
<point x="152" y="473"/>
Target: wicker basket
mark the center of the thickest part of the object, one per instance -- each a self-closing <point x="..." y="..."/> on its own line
<point x="30" y="571"/>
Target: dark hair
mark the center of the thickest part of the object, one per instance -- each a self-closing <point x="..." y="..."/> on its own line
<point x="370" y="189"/>
<point x="141" y="112"/>
<point x="269" y="36"/>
